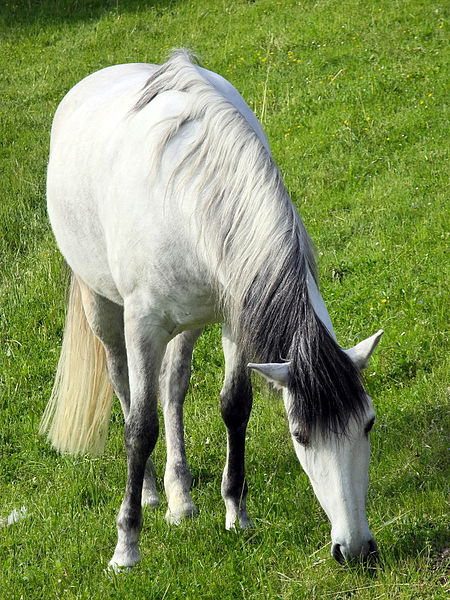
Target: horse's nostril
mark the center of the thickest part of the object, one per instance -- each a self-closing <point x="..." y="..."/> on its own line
<point x="337" y="554"/>
<point x="372" y="553"/>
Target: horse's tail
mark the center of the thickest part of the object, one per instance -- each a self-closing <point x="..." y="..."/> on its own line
<point x="77" y="415"/>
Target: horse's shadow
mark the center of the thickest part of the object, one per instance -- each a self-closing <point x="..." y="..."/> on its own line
<point x="23" y="14"/>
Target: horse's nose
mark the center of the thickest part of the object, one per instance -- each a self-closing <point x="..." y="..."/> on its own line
<point x="368" y="552"/>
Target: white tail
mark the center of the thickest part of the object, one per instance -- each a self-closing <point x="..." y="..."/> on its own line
<point x="77" y="415"/>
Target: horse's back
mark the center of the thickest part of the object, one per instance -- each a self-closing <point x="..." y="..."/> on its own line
<point x="101" y="84"/>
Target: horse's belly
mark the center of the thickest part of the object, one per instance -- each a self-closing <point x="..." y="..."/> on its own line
<point x="121" y="251"/>
<point x="153" y="259"/>
<point x="192" y="312"/>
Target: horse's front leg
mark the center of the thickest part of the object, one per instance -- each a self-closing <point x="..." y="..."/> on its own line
<point x="145" y="343"/>
<point x="174" y="381"/>
<point x="236" y="404"/>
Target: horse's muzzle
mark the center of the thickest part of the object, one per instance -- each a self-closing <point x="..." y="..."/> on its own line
<point x="367" y="554"/>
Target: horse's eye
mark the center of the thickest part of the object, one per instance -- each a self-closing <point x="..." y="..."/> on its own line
<point x="300" y="437"/>
<point x="369" y="426"/>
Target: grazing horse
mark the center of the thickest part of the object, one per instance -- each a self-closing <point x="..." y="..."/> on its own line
<point x="171" y="213"/>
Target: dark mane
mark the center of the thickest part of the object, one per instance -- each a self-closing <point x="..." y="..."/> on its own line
<point x="281" y="325"/>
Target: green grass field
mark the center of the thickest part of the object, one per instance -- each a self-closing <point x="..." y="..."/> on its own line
<point x="354" y="98"/>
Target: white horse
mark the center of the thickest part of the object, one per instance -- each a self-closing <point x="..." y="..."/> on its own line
<point x="171" y="213"/>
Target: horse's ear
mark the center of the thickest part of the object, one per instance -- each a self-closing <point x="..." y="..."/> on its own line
<point x="276" y="373"/>
<point x="361" y="353"/>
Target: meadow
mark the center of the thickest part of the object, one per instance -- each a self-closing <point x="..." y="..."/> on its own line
<point x="353" y="96"/>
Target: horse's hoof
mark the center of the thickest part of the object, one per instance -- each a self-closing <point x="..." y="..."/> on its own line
<point x="187" y="511"/>
<point x="233" y="522"/>
<point x="149" y="498"/>
<point x="115" y="568"/>
<point x="245" y="522"/>
<point x="123" y="561"/>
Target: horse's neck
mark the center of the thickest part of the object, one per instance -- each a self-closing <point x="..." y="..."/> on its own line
<point x="318" y="304"/>
<point x="233" y="96"/>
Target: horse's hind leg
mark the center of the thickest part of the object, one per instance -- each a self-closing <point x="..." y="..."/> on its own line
<point x="236" y="404"/>
<point x="105" y="318"/>
<point x="174" y="381"/>
<point x="146" y="338"/>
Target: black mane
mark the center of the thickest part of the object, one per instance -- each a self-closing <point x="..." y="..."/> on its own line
<point x="280" y="324"/>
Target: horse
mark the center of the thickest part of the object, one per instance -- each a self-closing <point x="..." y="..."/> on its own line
<point x="171" y="213"/>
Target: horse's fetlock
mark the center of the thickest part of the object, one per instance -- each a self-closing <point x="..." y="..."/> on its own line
<point x="234" y="491"/>
<point x="130" y="522"/>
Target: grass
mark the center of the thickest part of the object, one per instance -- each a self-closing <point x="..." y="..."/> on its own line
<point x="354" y="98"/>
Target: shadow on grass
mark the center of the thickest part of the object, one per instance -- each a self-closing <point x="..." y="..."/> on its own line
<point x="416" y="481"/>
<point x="22" y="13"/>
<point x="419" y="538"/>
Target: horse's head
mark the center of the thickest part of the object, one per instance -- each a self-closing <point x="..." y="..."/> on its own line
<point x="336" y="463"/>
